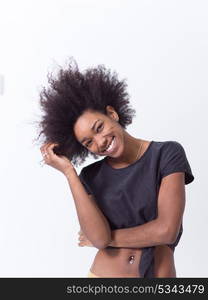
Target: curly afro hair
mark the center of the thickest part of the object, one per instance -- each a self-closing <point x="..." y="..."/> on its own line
<point x="69" y="95"/>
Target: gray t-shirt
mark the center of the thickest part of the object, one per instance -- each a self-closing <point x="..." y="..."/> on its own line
<point x="128" y="196"/>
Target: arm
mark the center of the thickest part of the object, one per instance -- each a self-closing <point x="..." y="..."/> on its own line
<point x="92" y="221"/>
<point x="164" y="229"/>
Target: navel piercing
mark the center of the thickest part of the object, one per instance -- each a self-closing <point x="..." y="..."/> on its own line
<point x="131" y="259"/>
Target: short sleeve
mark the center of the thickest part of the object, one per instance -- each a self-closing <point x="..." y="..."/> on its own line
<point x="82" y="177"/>
<point x="174" y="159"/>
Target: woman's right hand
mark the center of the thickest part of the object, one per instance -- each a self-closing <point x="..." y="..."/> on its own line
<point x="59" y="162"/>
<point x="83" y="240"/>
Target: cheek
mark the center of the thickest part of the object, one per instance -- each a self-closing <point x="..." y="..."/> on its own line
<point x="93" y="150"/>
<point x="119" y="135"/>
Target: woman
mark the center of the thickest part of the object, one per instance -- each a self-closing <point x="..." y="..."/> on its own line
<point x="129" y="204"/>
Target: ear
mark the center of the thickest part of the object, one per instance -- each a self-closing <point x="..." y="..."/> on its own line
<point x="112" y="113"/>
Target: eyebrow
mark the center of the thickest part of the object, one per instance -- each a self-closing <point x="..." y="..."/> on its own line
<point x="92" y="128"/>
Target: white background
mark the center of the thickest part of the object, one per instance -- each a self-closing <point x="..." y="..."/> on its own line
<point x="161" y="48"/>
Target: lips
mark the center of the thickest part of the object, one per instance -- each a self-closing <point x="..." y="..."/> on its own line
<point x="106" y="151"/>
<point x="107" y="146"/>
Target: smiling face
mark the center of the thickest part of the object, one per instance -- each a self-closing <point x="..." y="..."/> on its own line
<point x="97" y="131"/>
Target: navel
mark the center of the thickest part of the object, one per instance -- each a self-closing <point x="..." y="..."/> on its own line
<point x="131" y="259"/>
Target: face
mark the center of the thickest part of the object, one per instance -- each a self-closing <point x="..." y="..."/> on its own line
<point x="100" y="134"/>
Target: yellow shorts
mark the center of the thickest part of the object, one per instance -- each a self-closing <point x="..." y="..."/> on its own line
<point x="90" y="274"/>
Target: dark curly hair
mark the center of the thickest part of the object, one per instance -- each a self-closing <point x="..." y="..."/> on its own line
<point x="69" y="95"/>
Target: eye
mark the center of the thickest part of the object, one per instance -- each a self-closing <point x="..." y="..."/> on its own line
<point x="87" y="144"/>
<point x="99" y="127"/>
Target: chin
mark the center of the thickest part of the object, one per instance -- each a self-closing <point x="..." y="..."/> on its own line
<point x="117" y="154"/>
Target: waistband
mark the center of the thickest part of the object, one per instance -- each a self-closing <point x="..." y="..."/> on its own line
<point x="91" y="274"/>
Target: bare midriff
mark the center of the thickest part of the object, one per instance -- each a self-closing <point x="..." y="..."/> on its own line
<point x="124" y="262"/>
<point x="121" y="262"/>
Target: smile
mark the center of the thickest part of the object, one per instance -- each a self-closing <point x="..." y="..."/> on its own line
<point x="111" y="147"/>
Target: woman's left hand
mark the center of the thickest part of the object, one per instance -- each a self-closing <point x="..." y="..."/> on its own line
<point x="84" y="240"/>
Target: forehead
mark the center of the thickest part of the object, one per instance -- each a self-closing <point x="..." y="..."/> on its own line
<point x="83" y="125"/>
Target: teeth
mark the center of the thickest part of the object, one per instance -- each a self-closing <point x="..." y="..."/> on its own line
<point x="110" y="146"/>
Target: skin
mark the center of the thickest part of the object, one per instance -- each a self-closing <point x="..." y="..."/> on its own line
<point x="114" y="262"/>
<point x="163" y="255"/>
<point x="159" y="232"/>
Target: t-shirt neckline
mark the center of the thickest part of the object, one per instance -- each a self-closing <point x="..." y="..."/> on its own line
<point x="129" y="166"/>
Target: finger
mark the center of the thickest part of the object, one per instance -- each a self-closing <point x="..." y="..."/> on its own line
<point x="44" y="146"/>
<point x="50" y="148"/>
<point x="44" y="152"/>
<point x="45" y="155"/>
<point x="49" y="144"/>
